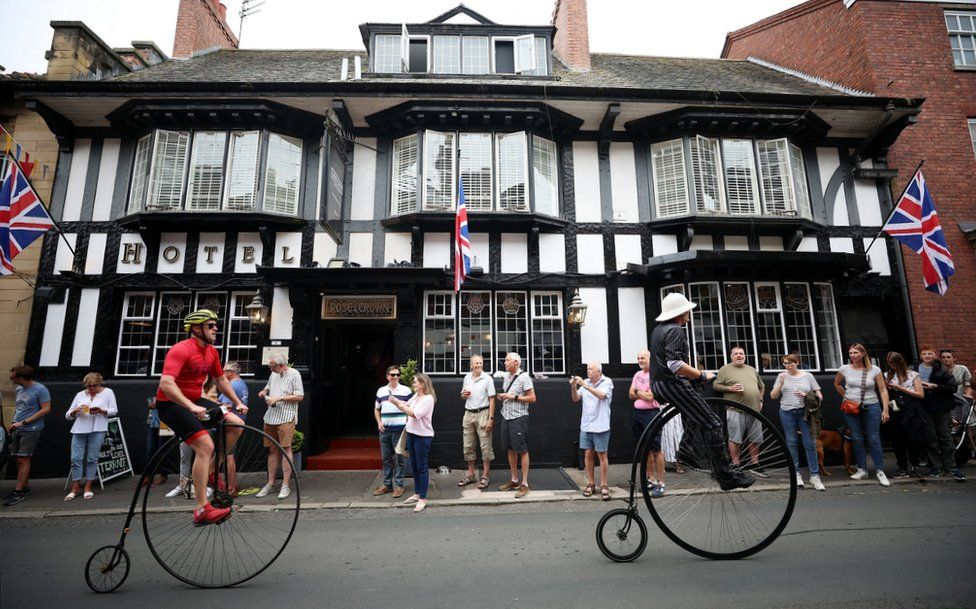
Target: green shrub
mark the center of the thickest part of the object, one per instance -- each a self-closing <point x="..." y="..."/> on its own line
<point x="297" y="442"/>
<point x="408" y="371"/>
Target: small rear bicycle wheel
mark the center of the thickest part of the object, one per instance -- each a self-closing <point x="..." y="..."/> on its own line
<point x="698" y="515"/>
<point x="107" y="568"/>
<point x="618" y="537"/>
<point x="237" y="549"/>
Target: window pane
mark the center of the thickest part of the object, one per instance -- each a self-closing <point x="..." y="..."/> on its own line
<point x="282" y="178"/>
<point x="680" y="289"/>
<point x="708" y="175"/>
<point x="525" y="54"/>
<point x="242" y="180"/>
<point x="800" y="335"/>
<point x="706" y="321"/>
<point x="476" y="170"/>
<point x="670" y="183"/>
<point x="739" y="163"/>
<point x="769" y="326"/>
<point x="541" y="57"/>
<point x="439" y="335"/>
<point x="137" y="191"/>
<point x="135" y="334"/>
<point x="173" y="307"/>
<point x="168" y="169"/>
<point x="511" y="172"/>
<point x="418" y="55"/>
<point x="827" y="328"/>
<point x="774" y="165"/>
<point x="545" y="176"/>
<point x="547" y="332"/>
<point x="475" y="56"/>
<point x="972" y="133"/>
<point x="511" y="327"/>
<point x="206" y="170"/>
<point x="216" y="302"/>
<point x="475" y="337"/>
<point x="406" y="153"/>
<point x="386" y="54"/>
<point x="802" y="197"/>
<point x="504" y="57"/>
<point x="738" y="319"/>
<point x="439" y="171"/>
<point x="242" y="340"/>
<point x="447" y="54"/>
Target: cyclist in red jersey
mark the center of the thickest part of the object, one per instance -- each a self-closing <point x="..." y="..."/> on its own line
<point x="181" y="406"/>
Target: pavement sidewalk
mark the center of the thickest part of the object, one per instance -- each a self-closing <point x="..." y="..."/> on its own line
<point x="352" y="490"/>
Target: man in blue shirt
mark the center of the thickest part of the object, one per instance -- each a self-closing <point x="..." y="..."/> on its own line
<point x="233" y="372"/>
<point x="33" y="404"/>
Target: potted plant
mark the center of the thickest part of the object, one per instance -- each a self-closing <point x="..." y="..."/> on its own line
<point x="408" y="371"/>
<point x="296" y="450"/>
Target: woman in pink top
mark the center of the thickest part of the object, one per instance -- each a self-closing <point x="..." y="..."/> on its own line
<point x="420" y="435"/>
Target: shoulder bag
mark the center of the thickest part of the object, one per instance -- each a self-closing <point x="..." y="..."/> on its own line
<point x="850" y="406"/>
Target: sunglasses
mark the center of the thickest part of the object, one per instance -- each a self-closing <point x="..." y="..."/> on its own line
<point x="210" y="326"/>
<point x="93" y="386"/>
<point x="394" y="374"/>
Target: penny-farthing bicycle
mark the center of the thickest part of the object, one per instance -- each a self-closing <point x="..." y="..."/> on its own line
<point x="213" y="556"/>
<point x="694" y="512"/>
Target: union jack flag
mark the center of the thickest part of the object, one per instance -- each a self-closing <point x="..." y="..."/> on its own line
<point x="915" y="223"/>
<point x="22" y="216"/>
<point x="462" y="242"/>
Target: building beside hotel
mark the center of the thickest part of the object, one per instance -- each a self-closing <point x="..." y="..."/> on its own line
<point x="325" y="182"/>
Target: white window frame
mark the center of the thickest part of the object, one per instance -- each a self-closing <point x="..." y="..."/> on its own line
<point x="527" y="357"/>
<point x="960" y="32"/>
<point x="405" y="48"/>
<point x="398" y="57"/>
<point x="298" y="178"/>
<point x="191" y="190"/>
<point x="231" y="317"/>
<point x="156" y="346"/>
<point x="395" y="187"/>
<point x="433" y="66"/>
<point x="836" y="332"/>
<point x="151" y="319"/>
<point x="453" y="172"/>
<point x="745" y="144"/>
<point x="558" y="317"/>
<point x="712" y="146"/>
<point x="782" y="321"/>
<point x="138" y="204"/>
<point x="153" y="169"/>
<point x="754" y="348"/>
<point x="512" y="39"/>
<point x="721" y="323"/>
<point x="490" y="137"/>
<point x="453" y="316"/>
<point x="487" y="56"/>
<point x="793" y="206"/>
<point x="525" y="171"/>
<point x="656" y="181"/>
<point x="810" y="317"/>
<point x="537" y="184"/>
<point x="229" y="170"/>
<point x="524" y="64"/>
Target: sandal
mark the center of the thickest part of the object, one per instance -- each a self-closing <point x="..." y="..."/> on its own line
<point x="468" y="479"/>
<point x="678" y="469"/>
<point x="588" y="490"/>
<point x="484" y="482"/>
<point x="604" y="492"/>
<point x="70" y="496"/>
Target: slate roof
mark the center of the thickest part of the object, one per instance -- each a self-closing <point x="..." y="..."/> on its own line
<point x="608" y="71"/>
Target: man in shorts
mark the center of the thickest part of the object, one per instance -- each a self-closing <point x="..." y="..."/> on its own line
<point x="517" y="393"/>
<point x="739" y="382"/>
<point x="283" y="393"/>
<point x="646" y="409"/>
<point x="595" y="392"/>
<point x="33" y="404"/>
<point x="181" y="406"/>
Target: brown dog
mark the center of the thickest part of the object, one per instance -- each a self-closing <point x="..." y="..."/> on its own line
<point x="837" y="441"/>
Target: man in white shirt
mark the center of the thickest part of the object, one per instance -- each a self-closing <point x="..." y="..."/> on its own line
<point x="478" y="390"/>
<point x="595" y="392"/>
<point x="283" y="394"/>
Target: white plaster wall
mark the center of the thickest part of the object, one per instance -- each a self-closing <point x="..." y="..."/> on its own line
<point x="281" y="315"/>
<point x="828" y="160"/>
<point x="105" y="187"/>
<point x="632" y="323"/>
<point x="396" y="248"/>
<point x="770" y="244"/>
<point x="808" y="244"/>
<point x="292" y="241"/>
<point x="627" y="249"/>
<point x="842" y="244"/>
<point x="515" y="253"/>
<point x="586" y="182"/>
<point x="53" y="332"/>
<point x="702" y="242"/>
<point x="361" y="249"/>
<point x="664" y="244"/>
<point x="95" y="261"/>
<point x="363" y="180"/>
<point x="589" y="255"/>
<point x="63" y="259"/>
<point x="437" y="250"/>
<point x="868" y="205"/>
<point x="552" y="253"/>
<point x="323" y="249"/>
<point x="248" y="240"/>
<point x="85" y="327"/>
<point x="623" y="182"/>
<point x="77" y="176"/>
<point x="214" y="263"/>
<point x="594" y="343"/>
<point x="177" y="240"/>
<point x="131" y="267"/>
<point x="878" y="256"/>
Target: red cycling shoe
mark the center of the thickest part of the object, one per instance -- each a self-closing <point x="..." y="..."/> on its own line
<point x="209" y="514"/>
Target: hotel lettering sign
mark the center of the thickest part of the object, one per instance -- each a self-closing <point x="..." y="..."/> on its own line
<point x="359" y="307"/>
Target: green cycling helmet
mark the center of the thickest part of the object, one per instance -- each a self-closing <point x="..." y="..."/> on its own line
<point x="198" y="317"/>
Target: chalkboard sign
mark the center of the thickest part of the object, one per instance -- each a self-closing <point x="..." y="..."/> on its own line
<point x="113" y="459"/>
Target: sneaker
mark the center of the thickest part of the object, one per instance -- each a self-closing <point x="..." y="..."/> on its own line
<point x="511" y="485"/>
<point x="901" y="474"/>
<point x="522" y="491"/>
<point x="267" y="488"/>
<point x="381" y="490"/>
<point x="817" y="484"/>
<point x="177" y="490"/>
<point x="209" y="514"/>
<point x="398" y="492"/>
<point x="860" y="474"/>
<point x="421" y="505"/>
<point x="799" y="480"/>
<point x="657" y="491"/>
<point x="13" y="498"/>
<point x="284" y="492"/>
<point x="736" y="480"/>
<point x="882" y="479"/>
<point x="957" y="476"/>
<point x="934" y="472"/>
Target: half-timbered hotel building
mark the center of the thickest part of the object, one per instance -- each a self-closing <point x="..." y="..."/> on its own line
<point x="326" y="181"/>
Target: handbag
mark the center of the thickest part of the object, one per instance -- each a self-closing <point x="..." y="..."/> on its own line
<point x="401" y="445"/>
<point x="850" y="406"/>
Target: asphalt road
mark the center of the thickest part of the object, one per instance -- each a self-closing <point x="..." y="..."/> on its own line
<point x="870" y="548"/>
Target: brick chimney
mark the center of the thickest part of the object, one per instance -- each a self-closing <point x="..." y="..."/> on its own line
<point x="572" y="41"/>
<point x="201" y="25"/>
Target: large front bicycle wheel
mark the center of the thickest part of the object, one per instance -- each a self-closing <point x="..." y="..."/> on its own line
<point x="241" y="547"/>
<point x="697" y="514"/>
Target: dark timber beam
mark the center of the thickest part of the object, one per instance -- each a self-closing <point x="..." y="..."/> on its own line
<point x="62" y="128"/>
<point x="606" y="128"/>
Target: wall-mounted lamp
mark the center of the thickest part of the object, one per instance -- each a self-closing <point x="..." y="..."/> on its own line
<point x="576" y="313"/>
<point x="257" y="311"/>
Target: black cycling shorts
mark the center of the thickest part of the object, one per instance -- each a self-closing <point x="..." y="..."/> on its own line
<point x="184" y="423"/>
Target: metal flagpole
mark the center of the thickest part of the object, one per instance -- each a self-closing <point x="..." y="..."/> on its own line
<point x="895" y="205"/>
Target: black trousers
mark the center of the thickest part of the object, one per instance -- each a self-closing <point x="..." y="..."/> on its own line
<point x="692" y="405"/>
<point x="939" y="435"/>
<point x="909" y="431"/>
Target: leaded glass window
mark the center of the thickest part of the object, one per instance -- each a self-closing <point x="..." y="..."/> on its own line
<point x="738" y="319"/>
<point x="475" y="337"/>
<point x="547" y="332"/>
<point x="801" y="335"/>
<point x="511" y="326"/>
<point x="136" y="334"/>
<point x="706" y="322"/>
<point x="439" y="333"/>
<point x="769" y="326"/>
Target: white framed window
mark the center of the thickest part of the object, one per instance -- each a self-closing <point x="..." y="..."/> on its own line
<point x="476" y="332"/>
<point x="168" y="169"/>
<point x="283" y="176"/>
<point x="828" y="329"/>
<point x="548" y="347"/>
<point x="447" y="54"/>
<point x="475" y="56"/>
<point x="962" y="37"/>
<point x="742" y="189"/>
<point x="476" y="170"/>
<point x="739" y="320"/>
<point x="525" y="56"/>
<point x="206" y="171"/>
<point x="972" y="132"/>
<point x="136" y="334"/>
<point x="173" y="307"/>
<point x="387" y="54"/>
<point x="769" y="326"/>
<point x="541" y="58"/>
<point x="439" y="185"/>
<point x="406" y="174"/>
<point x="242" y="340"/>
<point x="799" y="180"/>
<point x="137" y="189"/>
<point x="418" y="53"/>
<point x="706" y="163"/>
<point x="244" y="160"/>
<point x="439" y="338"/>
<point x="670" y="180"/>
<point x="707" y="329"/>
<point x="216" y="302"/>
<point x="801" y="332"/>
<point x="512" y="171"/>
<point x="511" y="327"/>
<point x="783" y="180"/>
<point x="545" y="176"/>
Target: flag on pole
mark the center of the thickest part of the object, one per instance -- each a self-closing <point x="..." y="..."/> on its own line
<point x="462" y="242"/>
<point x="915" y="223"/>
<point x="22" y="216"/>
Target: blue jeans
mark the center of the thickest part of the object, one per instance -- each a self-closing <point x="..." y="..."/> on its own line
<point x="84" y="455"/>
<point x="792" y="421"/>
<point x="392" y="462"/>
<point x="419" y="447"/>
<point x="867" y="424"/>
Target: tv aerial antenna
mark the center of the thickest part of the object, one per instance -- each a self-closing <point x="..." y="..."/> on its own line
<point x="248" y="8"/>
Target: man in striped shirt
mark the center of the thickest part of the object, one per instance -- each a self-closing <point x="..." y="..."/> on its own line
<point x="283" y="393"/>
<point x="390" y="422"/>
<point x="517" y="393"/>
